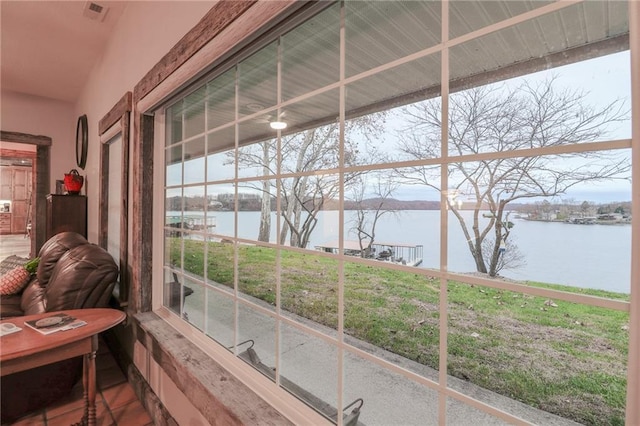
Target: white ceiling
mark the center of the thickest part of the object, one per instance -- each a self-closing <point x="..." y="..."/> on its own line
<point x="48" y="48"/>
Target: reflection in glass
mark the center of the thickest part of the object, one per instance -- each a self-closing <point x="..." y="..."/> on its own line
<point x="257" y="77"/>
<point x="221" y="100"/>
<point x="301" y="117"/>
<point x="193" y="113"/>
<point x="379" y="32"/>
<point x="311" y="54"/>
<point x="174" y="123"/>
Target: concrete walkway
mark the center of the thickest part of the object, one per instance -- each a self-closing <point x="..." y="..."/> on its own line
<point x="389" y="398"/>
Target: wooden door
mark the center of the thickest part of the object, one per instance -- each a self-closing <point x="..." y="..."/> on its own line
<point x="19" y="206"/>
<point x="6" y="179"/>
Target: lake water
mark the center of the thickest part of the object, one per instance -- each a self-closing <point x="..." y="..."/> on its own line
<point x="592" y="256"/>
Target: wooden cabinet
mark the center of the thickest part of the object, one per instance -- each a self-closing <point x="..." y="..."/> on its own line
<point x="66" y="213"/>
<point x="5" y="223"/>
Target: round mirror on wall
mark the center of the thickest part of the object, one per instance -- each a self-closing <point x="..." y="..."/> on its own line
<point x="82" y="136"/>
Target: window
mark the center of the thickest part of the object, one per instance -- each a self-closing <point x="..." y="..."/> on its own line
<point x="398" y="227"/>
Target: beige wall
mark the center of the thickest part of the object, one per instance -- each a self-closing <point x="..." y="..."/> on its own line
<point x="43" y="116"/>
<point x="143" y="35"/>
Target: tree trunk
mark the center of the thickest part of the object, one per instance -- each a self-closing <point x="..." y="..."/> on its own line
<point x="265" y="209"/>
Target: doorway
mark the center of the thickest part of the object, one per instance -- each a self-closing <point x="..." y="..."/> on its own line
<point x="25" y="183"/>
<point x="17" y="184"/>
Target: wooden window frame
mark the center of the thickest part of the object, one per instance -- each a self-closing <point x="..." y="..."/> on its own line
<point x="116" y="122"/>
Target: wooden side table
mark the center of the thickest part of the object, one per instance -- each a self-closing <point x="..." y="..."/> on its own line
<point x="28" y="348"/>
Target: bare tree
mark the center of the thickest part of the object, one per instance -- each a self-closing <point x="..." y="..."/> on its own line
<point x="260" y="156"/>
<point x="303" y="155"/>
<point x="371" y="194"/>
<point x="493" y="119"/>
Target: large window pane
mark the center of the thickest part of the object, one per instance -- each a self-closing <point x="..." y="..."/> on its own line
<point x="303" y="228"/>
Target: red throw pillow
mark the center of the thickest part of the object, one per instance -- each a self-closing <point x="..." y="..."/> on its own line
<point x="14" y="281"/>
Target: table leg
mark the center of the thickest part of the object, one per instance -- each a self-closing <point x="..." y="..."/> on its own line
<point x="89" y="385"/>
<point x="90" y="389"/>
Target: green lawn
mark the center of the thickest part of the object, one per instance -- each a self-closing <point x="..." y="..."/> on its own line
<point x="565" y="358"/>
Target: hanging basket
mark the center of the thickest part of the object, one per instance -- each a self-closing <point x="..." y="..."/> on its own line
<point x="73" y="182"/>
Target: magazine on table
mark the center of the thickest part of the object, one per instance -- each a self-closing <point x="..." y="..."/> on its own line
<point x="55" y="322"/>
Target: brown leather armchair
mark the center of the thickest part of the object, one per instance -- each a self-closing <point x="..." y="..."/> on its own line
<point x="72" y="274"/>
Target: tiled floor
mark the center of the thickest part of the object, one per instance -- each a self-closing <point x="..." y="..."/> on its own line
<point x="17" y="244"/>
<point x="116" y="402"/>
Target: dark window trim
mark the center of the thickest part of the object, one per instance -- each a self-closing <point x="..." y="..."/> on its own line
<point x="119" y="113"/>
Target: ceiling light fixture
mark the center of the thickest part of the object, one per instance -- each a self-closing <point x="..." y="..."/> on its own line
<point x="278" y="125"/>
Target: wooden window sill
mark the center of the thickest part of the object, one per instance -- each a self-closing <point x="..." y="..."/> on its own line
<point x="220" y="397"/>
